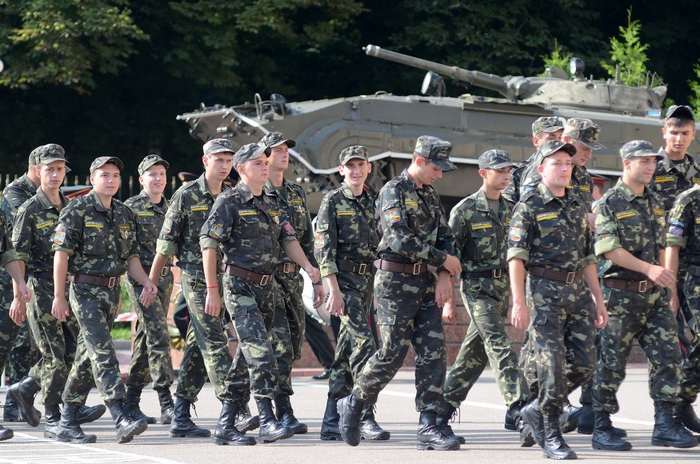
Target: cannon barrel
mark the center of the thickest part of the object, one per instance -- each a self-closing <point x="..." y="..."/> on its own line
<point x="478" y="78"/>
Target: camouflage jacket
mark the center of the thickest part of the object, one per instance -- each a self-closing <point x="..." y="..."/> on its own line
<point x="512" y="191"/>
<point x="581" y="182"/>
<point x="670" y="179"/>
<point x="149" y="221"/>
<point x="98" y="241"/>
<point x="7" y="253"/>
<point x="481" y="234"/>
<point x="16" y="193"/>
<point x="551" y="232"/>
<point x="684" y="226"/>
<point x="32" y="232"/>
<point x="345" y="229"/>
<point x="252" y="231"/>
<point x="633" y="223"/>
<point x="292" y="201"/>
<point x="189" y="208"/>
<point x="412" y="224"/>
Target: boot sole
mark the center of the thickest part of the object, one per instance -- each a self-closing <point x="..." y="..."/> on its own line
<point x="85" y="440"/>
<point x="598" y="446"/>
<point x="224" y="442"/>
<point x="689" y="444"/>
<point x="561" y="458"/>
<point x="190" y="434"/>
<point x="138" y="430"/>
<point x="331" y="437"/>
<point x="31" y="415"/>
<point x="454" y="446"/>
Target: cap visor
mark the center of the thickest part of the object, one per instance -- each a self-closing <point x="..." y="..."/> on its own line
<point x="445" y="165"/>
<point x="507" y="164"/>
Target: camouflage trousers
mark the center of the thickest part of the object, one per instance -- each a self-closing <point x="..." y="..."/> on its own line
<point x="355" y="344"/>
<point x="646" y="317"/>
<point x="562" y="322"/>
<point x="486" y="342"/>
<point x="151" y="353"/>
<point x="288" y="327"/>
<point x="407" y="315"/>
<point x="206" y="347"/>
<point x="95" y="308"/>
<point x="690" y="374"/>
<point x="16" y="348"/>
<point x="252" y="310"/>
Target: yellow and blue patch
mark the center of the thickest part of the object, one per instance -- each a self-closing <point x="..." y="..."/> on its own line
<point x="392" y="215"/>
<point x="215" y="231"/>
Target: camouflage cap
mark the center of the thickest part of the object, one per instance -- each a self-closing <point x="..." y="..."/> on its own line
<point x="46" y="154"/>
<point x="585" y="131"/>
<point x="436" y="150"/>
<point x="355" y="151"/>
<point x="149" y="161"/>
<point x="638" y="149"/>
<point x="247" y="152"/>
<point x="215" y="146"/>
<point x="102" y="160"/>
<point x="495" y="159"/>
<point x="551" y="147"/>
<point x="681" y="112"/>
<point x="274" y="139"/>
<point x="548" y="124"/>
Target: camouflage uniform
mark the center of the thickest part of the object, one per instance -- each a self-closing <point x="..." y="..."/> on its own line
<point x="481" y="237"/>
<point x="206" y="352"/>
<point x="414" y="233"/>
<point x="151" y="353"/>
<point x="637" y="224"/>
<point x="99" y="243"/>
<point x="345" y="245"/>
<point x="553" y="234"/>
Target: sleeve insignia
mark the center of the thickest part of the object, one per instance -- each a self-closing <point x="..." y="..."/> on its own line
<point x="393" y="215"/>
<point x="516" y="234"/>
<point x="320" y="241"/>
<point x="288" y="228"/>
<point x="675" y="230"/>
<point x="167" y="226"/>
<point x="215" y="231"/>
<point x="60" y="237"/>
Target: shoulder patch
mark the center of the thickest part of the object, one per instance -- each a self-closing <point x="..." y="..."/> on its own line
<point x="392" y="215"/>
<point x="320" y="241"/>
<point x="215" y="231"/>
<point x="322" y="227"/>
<point x="167" y="226"/>
<point x="516" y="234"/>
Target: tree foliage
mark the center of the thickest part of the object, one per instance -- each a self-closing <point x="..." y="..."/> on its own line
<point x="557" y="58"/>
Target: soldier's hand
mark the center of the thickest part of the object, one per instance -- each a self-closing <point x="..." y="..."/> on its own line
<point x="148" y="294"/>
<point x="520" y="316"/>
<point x="449" y="312"/>
<point x="314" y="274"/>
<point x="18" y="311"/>
<point x="675" y="304"/>
<point x="25" y="294"/>
<point x="212" y="304"/>
<point x="601" y="315"/>
<point x="662" y="277"/>
<point x="59" y="308"/>
<point x="319" y="294"/>
<point x="335" y="305"/>
<point x="452" y="265"/>
<point x="443" y="289"/>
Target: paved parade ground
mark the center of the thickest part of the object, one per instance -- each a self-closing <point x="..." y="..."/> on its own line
<point x="481" y="424"/>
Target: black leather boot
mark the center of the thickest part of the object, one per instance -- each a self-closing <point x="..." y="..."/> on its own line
<point x="182" y="425"/>
<point x="431" y="438"/>
<point x="22" y="394"/>
<point x="69" y="430"/>
<point x="285" y="415"/>
<point x="127" y="428"/>
<point x="513" y="416"/>
<point x="245" y="421"/>
<point x="349" y="414"/>
<point x="604" y="437"/>
<point x="568" y="421"/>
<point x="132" y="408"/>
<point x="270" y="429"/>
<point x="167" y="408"/>
<point x="6" y="434"/>
<point x="226" y="432"/>
<point x="447" y="413"/>
<point x="87" y="414"/>
<point x="534" y="423"/>
<point x="554" y="445"/>
<point x="330" y="430"/>
<point x="53" y="417"/>
<point x="668" y="429"/>
<point x="10" y="412"/>
<point x="686" y="413"/>
<point x="369" y="429"/>
<point x="586" y="420"/>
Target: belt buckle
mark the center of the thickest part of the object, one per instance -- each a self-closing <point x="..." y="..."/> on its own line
<point x="164" y="272"/>
<point x="643" y="286"/>
<point x="497" y="273"/>
<point x="363" y="269"/>
<point x="570" y="277"/>
<point x="287" y="268"/>
<point x="416" y="268"/>
<point x="265" y="279"/>
<point x="112" y="282"/>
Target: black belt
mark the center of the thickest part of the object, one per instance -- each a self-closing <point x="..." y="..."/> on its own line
<point x="250" y="276"/>
<point x="415" y="268"/>
<point x="490" y="274"/>
<point x="561" y="276"/>
<point x="639" y="286"/>
<point x="349" y="266"/>
<point x="287" y="268"/>
<point x="191" y="266"/>
<point x="46" y="275"/>
<point x="94" y="280"/>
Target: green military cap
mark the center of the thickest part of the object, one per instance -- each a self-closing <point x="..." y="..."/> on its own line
<point x="48" y="153"/>
<point x="548" y="124"/>
<point x="551" y="147"/>
<point x="495" y="159"/>
<point x="215" y="146"/>
<point x="585" y="131"/>
<point x="149" y="161"/>
<point x="102" y="160"/>
<point x="680" y="111"/>
<point x="275" y="139"/>
<point x="247" y="152"/>
<point x="436" y="150"/>
<point x="638" y="149"/>
<point x="355" y="151"/>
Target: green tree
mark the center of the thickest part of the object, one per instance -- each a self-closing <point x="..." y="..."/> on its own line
<point x="694" y="85"/>
<point x="557" y="59"/>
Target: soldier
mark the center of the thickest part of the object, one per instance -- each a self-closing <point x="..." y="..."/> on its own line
<point x="480" y="223"/>
<point x="151" y="353"/>
<point x="550" y="237"/>
<point x="345" y="246"/>
<point x="206" y="350"/>
<point x="15" y="342"/>
<point x="630" y="230"/>
<point x="57" y="341"/>
<point x="95" y="239"/>
<point x="414" y="234"/>
<point x="544" y="129"/>
<point x="249" y="226"/>
<point x="289" y="313"/>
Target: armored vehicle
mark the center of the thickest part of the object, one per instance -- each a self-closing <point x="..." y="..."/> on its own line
<point x="388" y="125"/>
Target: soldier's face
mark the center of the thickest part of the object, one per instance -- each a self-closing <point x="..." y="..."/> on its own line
<point x="543" y="137"/>
<point x="355" y="171"/>
<point x="154" y="179"/>
<point x="496" y="179"/>
<point x="218" y="166"/>
<point x="255" y="172"/>
<point x="678" y="139"/>
<point x="556" y="170"/>
<point x="106" y="179"/>
<point x="279" y="157"/>
<point x="427" y="172"/>
<point x="51" y="175"/>
<point x="640" y="170"/>
<point x="583" y="152"/>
